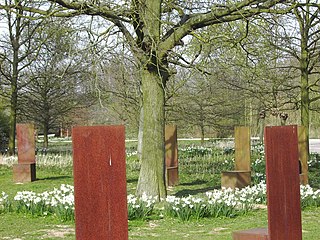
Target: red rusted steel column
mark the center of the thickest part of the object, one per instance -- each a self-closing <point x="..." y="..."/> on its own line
<point x="241" y="176"/>
<point x="171" y="146"/>
<point x="25" y="170"/>
<point x="100" y="183"/>
<point x="283" y="188"/>
<point x="242" y="148"/>
<point x="26" y="143"/>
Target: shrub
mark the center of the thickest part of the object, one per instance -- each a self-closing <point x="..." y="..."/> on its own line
<point x="140" y="208"/>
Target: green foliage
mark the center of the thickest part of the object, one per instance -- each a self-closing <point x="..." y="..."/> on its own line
<point x="5" y="204"/>
<point x="59" y="202"/>
<point x="4" y="130"/>
<point x="258" y="164"/>
<point x="196" y="197"/>
<point x="200" y="161"/>
<point x="140" y="208"/>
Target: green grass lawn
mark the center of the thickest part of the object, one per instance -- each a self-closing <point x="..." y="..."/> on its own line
<point x="197" y="174"/>
<point x="26" y="227"/>
<point x="17" y="226"/>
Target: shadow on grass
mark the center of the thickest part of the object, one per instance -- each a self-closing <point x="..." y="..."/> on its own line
<point x="54" y="178"/>
<point x="196" y="182"/>
<point x="132" y="180"/>
<point x="187" y="192"/>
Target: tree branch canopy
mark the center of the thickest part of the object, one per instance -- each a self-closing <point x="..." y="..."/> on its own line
<point x="145" y="17"/>
<point x="217" y="15"/>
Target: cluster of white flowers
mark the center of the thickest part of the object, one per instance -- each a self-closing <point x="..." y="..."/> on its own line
<point x="140" y="208"/>
<point x="314" y="161"/>
<point x="63" y="197"/>
<point x="57" y="160"/>
<point x="3" y="200"/>
<point x="143" y="201"/>
<point x="9" y="160"/>
<point x="48" y="160"/>
<point x="306" y="191"/>
<point x="186" y="207"/>
<point x="259" y="148"/>
<point x="3" y="197"/>
<point x="228" y="163"/>
<point x="185" y="202"/>
<point x="258" y="161"/>
<point x="219" y="202"/>
<point x="27" y="197"/>
<point x="133" y="153"/>
<point x="225" y="196"/>
<point x="196" y="150"/>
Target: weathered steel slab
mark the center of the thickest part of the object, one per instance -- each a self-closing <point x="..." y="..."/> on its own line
<point x="100" y="183"/>
<point x="242" y="148"/>
<point x="283" y="188"/>
<point x="171" y="146"/>
<point x="26" y="143"/>
<point x="24" y="172"/>
<point x="235" y="179"/>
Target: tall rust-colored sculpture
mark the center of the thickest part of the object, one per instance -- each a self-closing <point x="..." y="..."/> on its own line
<point x="100" y="183"/>
<point x="171" y="146"/>
<point x="25" y="170"/>
<point x="241" y="176"/>
<point x="242" y="147"/>
<point x="283" y="188"/>
<point x="283" y="185"/>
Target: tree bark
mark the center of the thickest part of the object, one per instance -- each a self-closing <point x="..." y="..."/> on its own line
<point x="304" y="79"/>
<point x="13" y="121"/>
<point x="305" y="103"/>
<point x="152" y="173"/>
<point x="202" y="134"/>
<point x="14" y="89"/>
<point x="140" y="134"/>
<point x="45" y="135"/>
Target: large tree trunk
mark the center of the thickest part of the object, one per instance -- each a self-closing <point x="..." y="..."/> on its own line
<point x="14" y="97"/>
<point x="305" y="103"/>
<point x="152" y="173"/>
<point x="45" y="135"/>
<point x="14" y="33"/>
<point x="140" y="134"/>
<point x="305" y="100"/>
<point x="202" y="134"/>
<point x="12" y="123"/>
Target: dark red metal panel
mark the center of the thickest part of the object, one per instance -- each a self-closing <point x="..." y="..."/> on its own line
<point x="24" y="172"/>
<point x="25" y="143"/>
<point x="100" y="183"/>
<point x="171" y="146"/>
<point x="283" y="188"/>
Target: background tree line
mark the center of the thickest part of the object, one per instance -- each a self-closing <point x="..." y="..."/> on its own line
<point x="205" y="65"/>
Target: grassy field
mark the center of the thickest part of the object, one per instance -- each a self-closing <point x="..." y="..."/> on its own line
<point x="15" y="226"/>
<point x="199" y="172"/>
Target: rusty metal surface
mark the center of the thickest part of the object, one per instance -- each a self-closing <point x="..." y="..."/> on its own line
<point x="283" y="189"/>
<point x="235" y="179"/>
<point x="100" y="183"/>
<point x="26" y="143"/>
<point x="242" y="148"/>
<point x="171" y="147"/>
<point x="24" y="172"/>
